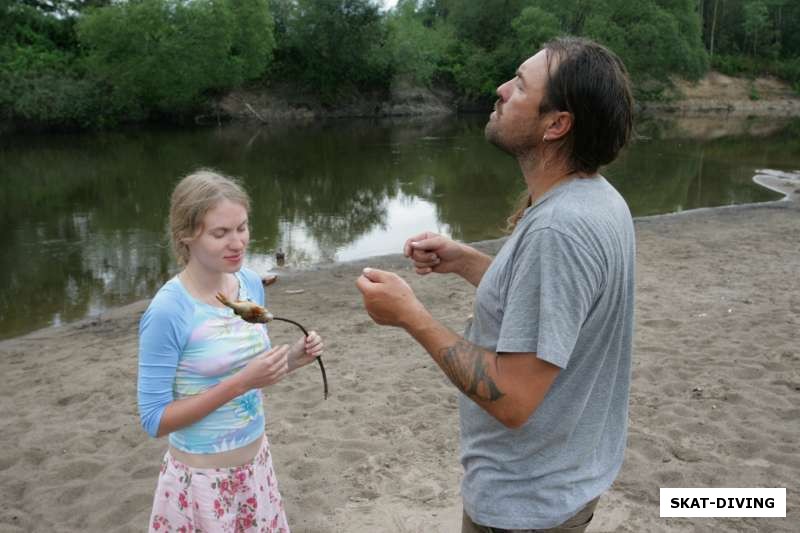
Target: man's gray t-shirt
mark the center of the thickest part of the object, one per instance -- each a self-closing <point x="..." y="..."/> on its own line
<point x="561" y="287"/>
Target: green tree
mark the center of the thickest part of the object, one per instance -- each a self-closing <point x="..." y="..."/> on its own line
<point x="655" y="38"/>
<point x="40" y="77"/>
<point x="418" y="48"/>
<point x="756" y="25"/>
<point x="484" y="50"/>
<point x="571" y="14"/>
<point x="332" y="46"/>
<point x="63" y="8"/>
<point x="754" y="37"/>
<point x="485" y="24"/>
<point x="533" y="27"/>
<point x="650" y="37"/>
<point x="164" y="55"/>
<point x="253" y="39"/>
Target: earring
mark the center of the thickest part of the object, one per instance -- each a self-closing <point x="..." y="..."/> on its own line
<point x="545" y="139"/>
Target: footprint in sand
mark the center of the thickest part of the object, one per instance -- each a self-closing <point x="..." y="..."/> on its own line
<point x="35" y="456"/>
<point x="304" y="470"/>
<point x="123" y="512"/>
<point x="149" y="472"/>
<point x="351" y="456"/>
<point x="69" y="495"/>
<point x="748" y="372"/>
<point x="69" y="400"/>
<point x="647" y="447"/>
<point x="79" y="469"/>
<point x="744" y="449"/>
<point x="792" y="385"/>
<point x="8" y="461"/>
<point x="663" y="323"/>
<point x="670" y="478"/>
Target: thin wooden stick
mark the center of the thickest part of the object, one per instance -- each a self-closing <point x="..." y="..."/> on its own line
<point x="319" y="358"/>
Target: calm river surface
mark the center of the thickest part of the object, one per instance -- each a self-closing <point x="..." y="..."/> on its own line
<point x="84" y="215"/>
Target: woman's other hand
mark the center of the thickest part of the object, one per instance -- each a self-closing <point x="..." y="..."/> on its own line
<point x="266" y="369"/>
<point x="305" y="350"/>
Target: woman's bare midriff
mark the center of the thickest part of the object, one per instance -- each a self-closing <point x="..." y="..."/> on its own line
<point x="229" y="459"/>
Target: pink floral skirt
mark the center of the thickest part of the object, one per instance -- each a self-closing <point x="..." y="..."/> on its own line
<point x="239" y="499"/>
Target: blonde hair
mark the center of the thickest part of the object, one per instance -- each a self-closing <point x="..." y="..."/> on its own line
<point x="192" y="198"/>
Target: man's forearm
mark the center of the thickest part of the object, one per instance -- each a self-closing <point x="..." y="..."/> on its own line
<point x="509" y="387"/>
<point x="472" y="369"/>
<point x="475" y="265"/>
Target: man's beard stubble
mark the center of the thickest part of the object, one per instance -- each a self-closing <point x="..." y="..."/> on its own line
<point x="521" y="147"/>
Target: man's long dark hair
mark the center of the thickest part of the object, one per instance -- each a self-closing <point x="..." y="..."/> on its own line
<point x="590" y="82"/>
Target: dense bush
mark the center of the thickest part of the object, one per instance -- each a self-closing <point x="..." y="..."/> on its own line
<point x="331" y="47"/>
<point x="166" y="55"/>
<point x="736" y="65"/>
<point x="40" y="76"/>
<point x="419" y="51"/>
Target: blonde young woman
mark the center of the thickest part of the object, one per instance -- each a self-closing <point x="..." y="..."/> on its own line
<point x="201" y="369"/>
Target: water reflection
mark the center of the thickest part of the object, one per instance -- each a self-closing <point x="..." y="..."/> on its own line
<point x="84" y="215"/>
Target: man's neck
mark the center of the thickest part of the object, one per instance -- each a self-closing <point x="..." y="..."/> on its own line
<point x="542" y="174"/>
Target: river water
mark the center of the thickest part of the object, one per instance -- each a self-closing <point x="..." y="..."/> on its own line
<point x="84" y="215"/>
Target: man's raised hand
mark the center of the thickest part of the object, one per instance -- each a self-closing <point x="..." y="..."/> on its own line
<point x="431" y="252"/>
<point x="388" y="299"/>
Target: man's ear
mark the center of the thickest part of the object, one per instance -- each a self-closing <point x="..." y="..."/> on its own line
<point x="560" y="126"/>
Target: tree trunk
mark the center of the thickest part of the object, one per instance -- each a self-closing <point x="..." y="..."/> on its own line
<point x="713" y="29"/>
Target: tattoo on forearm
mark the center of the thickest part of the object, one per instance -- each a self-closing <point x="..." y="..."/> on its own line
<point x="465" y="365"/>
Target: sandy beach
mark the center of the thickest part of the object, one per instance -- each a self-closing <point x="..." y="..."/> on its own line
<point x="715" y="398"/>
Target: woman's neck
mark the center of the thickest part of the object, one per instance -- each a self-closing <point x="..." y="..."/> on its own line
<point x="204" y="285"/>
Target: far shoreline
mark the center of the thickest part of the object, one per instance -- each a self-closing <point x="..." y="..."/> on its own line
<point x="715" y="94"/>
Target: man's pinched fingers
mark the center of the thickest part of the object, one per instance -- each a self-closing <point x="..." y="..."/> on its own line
<point x="377" y="276"/>
<point x="407" y="248"/>
<point x="363" y="283"/>
<point x="425" y="240"/>
<point x="420" y="256"/>
<point x="430" y="242"/>
<point x="428" y="264"/>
